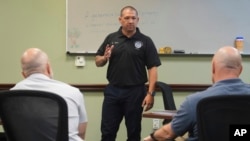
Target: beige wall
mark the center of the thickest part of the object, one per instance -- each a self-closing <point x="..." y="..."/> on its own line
<point x="42" y="23"/>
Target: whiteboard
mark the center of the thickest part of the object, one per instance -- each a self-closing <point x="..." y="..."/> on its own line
<point x="196" y="26"/>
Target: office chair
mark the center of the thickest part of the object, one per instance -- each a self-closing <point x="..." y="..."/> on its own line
<point x="3" y="136"/>
<point x="31" y="115"/>
<point x="216" y="114"/>
<point x="167" y="96"/>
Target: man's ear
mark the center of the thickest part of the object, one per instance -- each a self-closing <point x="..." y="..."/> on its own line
<point x="213" y="67"/>
<point x="49" y="70"/>
<point x="241" y="68"/>
<point x="23" y="74"/>
<point x="119" y="19"/>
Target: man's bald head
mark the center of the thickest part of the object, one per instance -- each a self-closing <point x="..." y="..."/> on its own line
<point x="226" y="63"/>
<point x="35" y="60"/>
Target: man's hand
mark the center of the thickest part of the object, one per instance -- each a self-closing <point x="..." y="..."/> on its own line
<point x="148" y="138"/>
<point x="108" y="51"/>
<point x="148" y="102"/>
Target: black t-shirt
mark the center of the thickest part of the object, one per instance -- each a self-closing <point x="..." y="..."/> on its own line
<point x="130" y="58"/>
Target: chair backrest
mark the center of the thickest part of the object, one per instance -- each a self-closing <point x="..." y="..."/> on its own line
<point x="31" y="115"/>
<point x="216" y="114"/>
<point x="167" y="95"/>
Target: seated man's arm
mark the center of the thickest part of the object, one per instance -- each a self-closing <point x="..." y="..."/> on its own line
<point x="82" y="130"/>
<point x="165" y="132"/>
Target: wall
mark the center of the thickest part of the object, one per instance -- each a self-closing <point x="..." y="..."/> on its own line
<point x="41" y="23"/>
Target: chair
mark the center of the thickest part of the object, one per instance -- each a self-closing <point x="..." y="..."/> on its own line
<point x="3" y="136"/>
<point x="167" y="96"/>
<point x="31" y="115"/>
<point x="216" y="114"/>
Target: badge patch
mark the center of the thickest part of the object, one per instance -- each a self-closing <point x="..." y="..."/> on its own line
<point x="138" y="44"/>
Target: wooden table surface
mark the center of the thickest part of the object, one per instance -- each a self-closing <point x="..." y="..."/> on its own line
<point x="162" y="114"/>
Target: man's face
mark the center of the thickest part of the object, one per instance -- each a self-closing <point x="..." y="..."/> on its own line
<point x="129" y="20"/>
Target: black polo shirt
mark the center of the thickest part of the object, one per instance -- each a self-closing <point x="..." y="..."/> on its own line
<point x="130" y="58"/>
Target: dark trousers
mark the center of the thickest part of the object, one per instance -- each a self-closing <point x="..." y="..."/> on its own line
<point x="122" y="102"/>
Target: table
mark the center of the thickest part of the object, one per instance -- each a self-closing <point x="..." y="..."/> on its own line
<point x="162" y="114"/>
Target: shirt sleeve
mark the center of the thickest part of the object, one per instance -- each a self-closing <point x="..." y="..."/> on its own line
<point x="82" y="109"/>
<point x="101" y="49"/>
<point x="183" y="121"/>
<point x="152" y="58"/>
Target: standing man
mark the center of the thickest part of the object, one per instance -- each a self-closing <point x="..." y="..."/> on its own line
<point x="38" y="75"/>
<point x="131" y="56"/>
